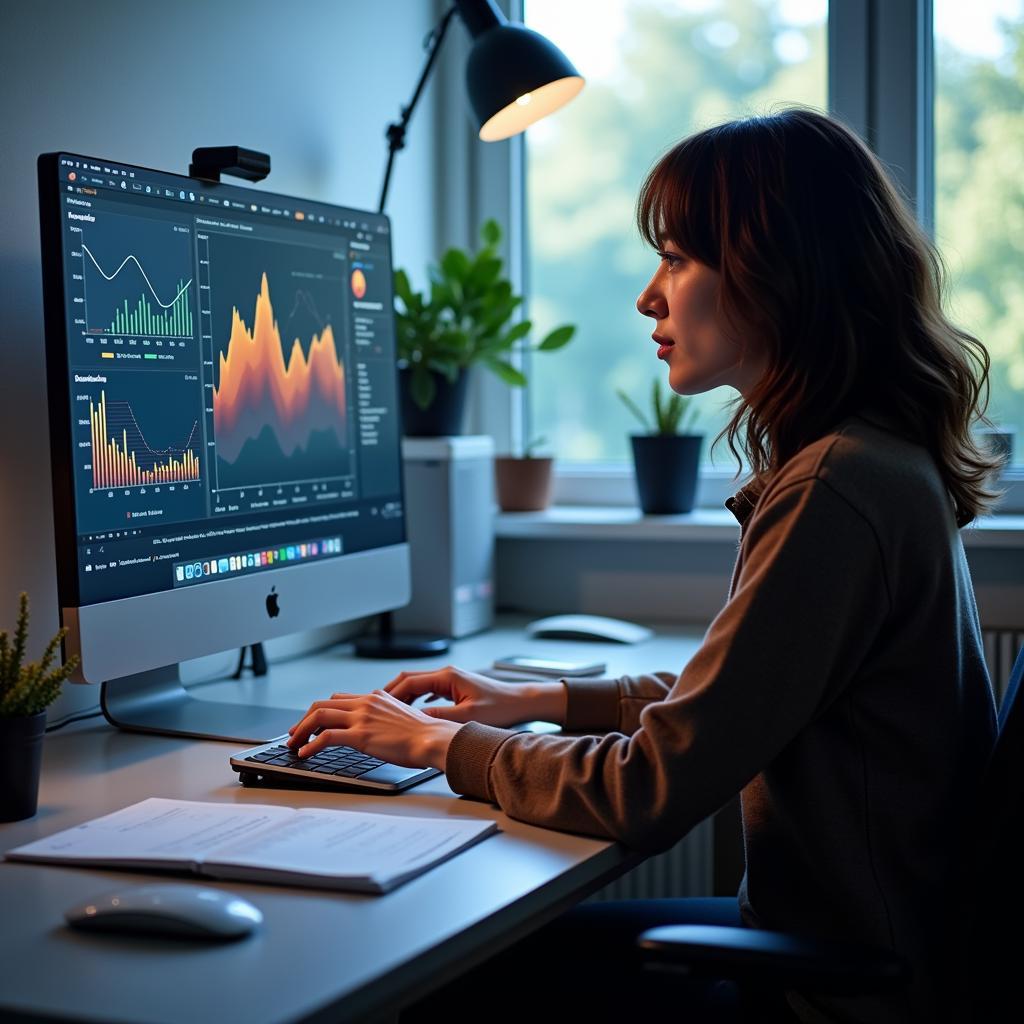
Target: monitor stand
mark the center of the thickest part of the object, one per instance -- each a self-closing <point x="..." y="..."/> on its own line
<point x="156" y="702"/>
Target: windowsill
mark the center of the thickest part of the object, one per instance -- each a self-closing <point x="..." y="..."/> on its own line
<point x="592" y="522"/>
<point x="612" y="485"/>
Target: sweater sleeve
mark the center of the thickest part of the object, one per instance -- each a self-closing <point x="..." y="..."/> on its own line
<point x="599" y="705"/>
<point x="810" y="598"/>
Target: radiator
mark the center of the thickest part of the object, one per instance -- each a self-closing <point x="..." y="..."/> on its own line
<point x="1001" y="648"/>
<point x="685" y="870"/>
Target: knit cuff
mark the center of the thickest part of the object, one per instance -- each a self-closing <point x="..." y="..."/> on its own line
<point x="470" y="754"/>
<point x="592" y="705"/>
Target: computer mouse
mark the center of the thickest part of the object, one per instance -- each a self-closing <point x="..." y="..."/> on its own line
<point x="181" y="911"/>
<point x="598" y="628"/>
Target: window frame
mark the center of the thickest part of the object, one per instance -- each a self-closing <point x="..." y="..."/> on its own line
<point x="872" y="86"/>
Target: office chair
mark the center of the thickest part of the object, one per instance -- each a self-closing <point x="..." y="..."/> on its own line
<point x="989" y="904"/>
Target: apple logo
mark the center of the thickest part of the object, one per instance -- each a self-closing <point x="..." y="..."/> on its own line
<point x="272" y="609"/>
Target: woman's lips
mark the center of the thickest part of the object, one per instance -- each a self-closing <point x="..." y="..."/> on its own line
<point x="664" y="345"/>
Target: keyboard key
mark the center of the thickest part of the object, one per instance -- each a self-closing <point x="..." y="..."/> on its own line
<point x="352" y="771"/>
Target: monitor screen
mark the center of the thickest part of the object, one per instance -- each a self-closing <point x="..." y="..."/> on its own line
<point x="229" y="357"/>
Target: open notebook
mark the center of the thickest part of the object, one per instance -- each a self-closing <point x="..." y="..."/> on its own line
<point x="332" y="849"/>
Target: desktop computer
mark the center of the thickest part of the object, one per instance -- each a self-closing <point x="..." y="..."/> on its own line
<point x="224" y="428"/>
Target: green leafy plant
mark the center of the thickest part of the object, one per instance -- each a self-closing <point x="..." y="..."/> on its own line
<point x="531" y="448"/>
<point x="28" y="689"/>
<point x="670" y="417"/>
<point x="464" y="320"/>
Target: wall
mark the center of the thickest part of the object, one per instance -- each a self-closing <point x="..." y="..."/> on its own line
<point x="313" y="84"/>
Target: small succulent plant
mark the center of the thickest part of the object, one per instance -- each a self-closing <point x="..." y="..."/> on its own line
<point x="26" y="689"/>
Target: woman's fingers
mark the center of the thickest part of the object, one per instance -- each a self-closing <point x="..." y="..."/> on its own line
<point x="407" y="686"/>
<point x="321" y="715"/>
<point x="327" y="738"/>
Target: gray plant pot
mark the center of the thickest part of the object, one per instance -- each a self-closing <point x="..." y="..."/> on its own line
<point x="21" y="760"/>
<point x="443" y="417"/>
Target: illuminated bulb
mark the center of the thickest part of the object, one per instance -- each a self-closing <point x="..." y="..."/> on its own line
<point x="523" y="100"/>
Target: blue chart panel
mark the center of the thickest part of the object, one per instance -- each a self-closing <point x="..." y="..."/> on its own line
<point x="137" y="275"/>
<point x="139" y="435"/>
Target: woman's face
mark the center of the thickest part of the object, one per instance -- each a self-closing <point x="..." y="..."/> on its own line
<point x="682" y="297"/>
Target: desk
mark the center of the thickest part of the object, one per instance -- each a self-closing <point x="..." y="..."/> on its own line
<point x="320" y="956"/>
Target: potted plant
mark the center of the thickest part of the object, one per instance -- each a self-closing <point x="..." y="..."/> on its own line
<point x="25" y="693"/>
<point x="998" y="440"/>
<point x="665" y="457"/>
<point x="463" y="322"/>
<point x="524" y="483"/>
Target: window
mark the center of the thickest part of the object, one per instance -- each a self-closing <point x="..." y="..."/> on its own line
<point x="656" y="71"/>
<point x="979" y="187"/>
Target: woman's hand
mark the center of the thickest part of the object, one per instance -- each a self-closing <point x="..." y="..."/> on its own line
<point x="377" y="724"/>
<point x="478" y="698"/>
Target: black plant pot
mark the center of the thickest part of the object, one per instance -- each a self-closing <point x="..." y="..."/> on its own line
<point x="666" y="471"/>
<point x="443" y="417"/>
<point x="21" y="758"/>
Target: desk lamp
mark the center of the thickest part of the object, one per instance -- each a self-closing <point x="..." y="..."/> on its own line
<point x="514" y="76"/>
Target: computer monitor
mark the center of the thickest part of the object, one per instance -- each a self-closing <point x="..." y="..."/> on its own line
<point x="224" y="428"/>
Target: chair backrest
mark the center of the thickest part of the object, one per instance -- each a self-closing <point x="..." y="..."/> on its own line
<point x="994" y="879"/>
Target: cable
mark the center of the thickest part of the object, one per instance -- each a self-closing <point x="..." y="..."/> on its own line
<point x="80" y="716"/>
<point x="97" y="711"/>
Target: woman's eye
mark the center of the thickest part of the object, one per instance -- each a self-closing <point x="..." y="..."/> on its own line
<point x="670" y="258"/>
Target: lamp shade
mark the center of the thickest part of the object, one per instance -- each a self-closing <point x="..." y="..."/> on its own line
<point x="515" y="76"/>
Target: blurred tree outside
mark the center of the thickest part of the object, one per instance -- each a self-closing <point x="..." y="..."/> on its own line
<point x="979" y="190"/>
<point x="658" y="70"/>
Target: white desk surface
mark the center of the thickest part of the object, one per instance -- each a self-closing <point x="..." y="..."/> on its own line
<point x="319" y="955"/>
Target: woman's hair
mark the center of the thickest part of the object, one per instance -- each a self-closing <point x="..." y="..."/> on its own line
<point x="824" y="268"/>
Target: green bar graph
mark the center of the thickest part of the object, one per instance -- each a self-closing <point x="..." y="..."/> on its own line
<point x="174" y="321"/>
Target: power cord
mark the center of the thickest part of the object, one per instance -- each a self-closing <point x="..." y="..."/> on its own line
<point x="97" y="711"/>
<point x="79" y="716"/>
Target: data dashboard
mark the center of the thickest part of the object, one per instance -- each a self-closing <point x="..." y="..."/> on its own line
<point x="230" y="367"/>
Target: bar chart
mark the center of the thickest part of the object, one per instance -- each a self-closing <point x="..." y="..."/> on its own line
<point x="121" y="456"/>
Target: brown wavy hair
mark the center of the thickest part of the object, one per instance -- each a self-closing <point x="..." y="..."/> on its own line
<point x="822" y="262"/>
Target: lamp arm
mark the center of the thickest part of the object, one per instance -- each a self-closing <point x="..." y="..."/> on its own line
<point x="396" y="130"/>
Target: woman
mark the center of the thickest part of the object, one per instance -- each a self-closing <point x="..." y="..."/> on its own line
<point x="842" y="689"/>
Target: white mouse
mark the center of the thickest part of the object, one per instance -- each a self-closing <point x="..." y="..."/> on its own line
<point x="588" y="627"/>
<point x="180" y="910"/>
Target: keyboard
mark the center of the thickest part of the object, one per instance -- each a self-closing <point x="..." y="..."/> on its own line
<point x="340" y="768"/>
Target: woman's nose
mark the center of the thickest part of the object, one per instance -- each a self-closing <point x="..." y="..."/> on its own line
<point x="651" y="302"/>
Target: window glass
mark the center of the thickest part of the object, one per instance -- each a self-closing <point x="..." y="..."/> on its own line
<point x="979" y="185"/>
<point x="656" y="71"/>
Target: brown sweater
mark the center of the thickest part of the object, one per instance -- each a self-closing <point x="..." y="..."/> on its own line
<point x="842" y="690"/>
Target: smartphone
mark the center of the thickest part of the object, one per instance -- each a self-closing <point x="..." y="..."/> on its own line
<point x="549" y="667"/>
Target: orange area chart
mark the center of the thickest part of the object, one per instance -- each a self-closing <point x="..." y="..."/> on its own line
<point x="269" y="413"/>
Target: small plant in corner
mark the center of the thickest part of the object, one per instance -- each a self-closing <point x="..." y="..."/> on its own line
<point x="27" y="689"/>
<point x="670" y="417"/>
